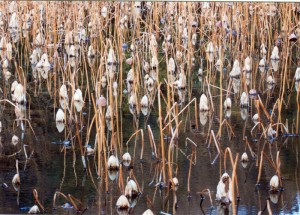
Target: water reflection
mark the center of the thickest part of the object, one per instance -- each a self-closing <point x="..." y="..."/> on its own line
<point x="113" y="175"/>
<point x="275" y="65"/>
<point x="236" y="82"/>
<point x="203" y="117"/>
<point x="274" y="197"/>
<point x="224" y="209"/>
<point x="244" y="113"/>
<point x="227" y="113"/>
<point x="40" y="172"/>
<point x="60" y="126"/>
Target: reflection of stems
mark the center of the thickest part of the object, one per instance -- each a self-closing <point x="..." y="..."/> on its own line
<point x="64" y="172"/>
<point x="296" y="169"/>
<point x="174" y="202"/>
<point x="18" y="109"/>
<point x="189" y="175"/>
<point x="99" y="143"/>
<point x="83" y="186"/>
<point x="18" y="197"/>
<point x="152" y="141"/>
<point x="142" y="177"/>
<point x="80" y="145"/>
<point x="269" y="207"/>
<point x="215" y="141"/>
<point x="210" y="97"/>
<point x="260" y="166"/>
<point x="228" y="126"/>
<point x="91" y="175"/>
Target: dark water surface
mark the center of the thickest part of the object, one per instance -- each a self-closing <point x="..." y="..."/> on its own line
<point x="46" y="172"/>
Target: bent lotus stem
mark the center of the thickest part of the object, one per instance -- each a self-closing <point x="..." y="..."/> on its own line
<point x="207" y="192"/>
<point x="183" y="109"/>
<point x="278" y="163"/>
<point x="260" y="167"/>
<point x="275" y="106"/>
<point x="142" y="134"/>
<point x="258" y="123"/>
<point x="282" y="125"/>
<point x="264" y="133"/>
<point x="57" y="193"/>
<point x="220" y="128"/>
<point x="189" y="174"/>
<point x="169" y="97"/>
<point x="6" y="100"/>
<point x="80" y="145"/>
<point x="73" y="202"/>
<point x="137" y="183"/>
<point x="264" y="109"/>
<point x="169" y="153"/>
<point x="233" y="164"/>
<point x="210" y="97"/>
<point x="250" y="149"/>
<point x="191" y="141"/>
<point x="271" y="162"/>
<point x="36" y="197"/>
<point x="230" y="128"/>
<point x="215" y="141"/>
<point x="221" y="88"/>
<point x="152" y="141"/>
<point x="275" y="167"/>
<point x="90" y="125"/>
<point x="170" y="112"/>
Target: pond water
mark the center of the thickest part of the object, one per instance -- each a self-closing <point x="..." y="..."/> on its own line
<point x="49" y="169"/>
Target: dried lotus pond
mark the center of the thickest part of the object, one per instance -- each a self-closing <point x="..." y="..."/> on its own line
<point x="149" y="107"/>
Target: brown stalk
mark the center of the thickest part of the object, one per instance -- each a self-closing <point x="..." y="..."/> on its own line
<point x="36" y="197"/>
<point x="161" y="136"/>
<point x="207" y="192"/>
<point x="152" y="141"/>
